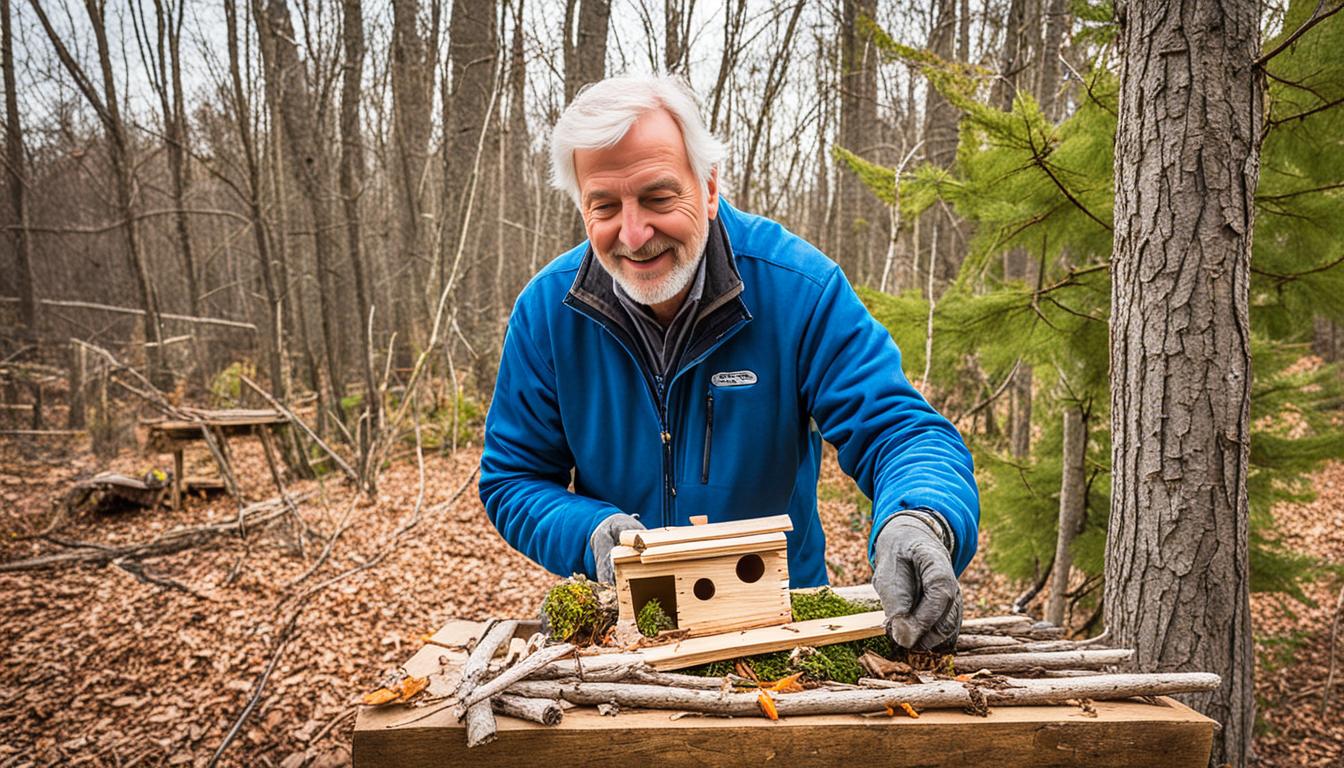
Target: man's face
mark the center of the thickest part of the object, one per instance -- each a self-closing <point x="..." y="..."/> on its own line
<point x="646" y="214"/>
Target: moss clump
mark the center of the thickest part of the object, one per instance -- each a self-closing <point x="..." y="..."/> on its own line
<point x="652" y="619"/>
<point x="838" y="662"/>
<point x="577" y="610"/>
<point x="825" y="604"/>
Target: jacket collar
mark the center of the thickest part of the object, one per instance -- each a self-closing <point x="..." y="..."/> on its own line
<point x="593" y="287"/>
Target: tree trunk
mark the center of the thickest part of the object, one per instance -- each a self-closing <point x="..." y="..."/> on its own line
<point x="412" y="74"/>
<point x="15" y="167"/>
<point x="859" y="223"/>
<point x="1186" y="167"/>
<point x="312" y="170"/>
<point x="243" y="120"/>
<point x="352" y="183"/>
<point x="1072" y="506"/>
<point x="469" y="158"/>
<point x="585" y="43"/>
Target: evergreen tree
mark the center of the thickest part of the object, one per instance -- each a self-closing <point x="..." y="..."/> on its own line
<point x="1025" y="182"/>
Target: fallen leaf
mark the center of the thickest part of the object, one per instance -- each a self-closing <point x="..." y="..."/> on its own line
<point x="380" y="696"/>
<point x="788" y="684"/>
<point x="909" y="710"/>
<point x="413" y="685"/>
<point x="767" y="705"/>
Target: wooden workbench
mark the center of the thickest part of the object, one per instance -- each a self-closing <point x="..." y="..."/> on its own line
<point x="173" y="436"/>
<point x="1125" y="733"/>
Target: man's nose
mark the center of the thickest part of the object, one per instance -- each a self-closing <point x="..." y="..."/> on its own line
<point x="635" y="228"/>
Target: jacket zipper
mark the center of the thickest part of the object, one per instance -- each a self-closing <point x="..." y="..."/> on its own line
<point x="669" y="482"/>
<point x="709" y="436"/>
<point x="659" y="393"/>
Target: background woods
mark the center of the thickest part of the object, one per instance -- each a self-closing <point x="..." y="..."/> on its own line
<point x="327" y="209"/>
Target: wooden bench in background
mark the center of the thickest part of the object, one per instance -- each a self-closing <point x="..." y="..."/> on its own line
<point x="214" y="428"/>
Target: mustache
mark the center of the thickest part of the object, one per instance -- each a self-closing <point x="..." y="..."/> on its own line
<point x="646" y="251"/>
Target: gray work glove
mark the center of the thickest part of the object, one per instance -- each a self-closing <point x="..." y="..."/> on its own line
<point x="607" y="536"/>
<point x="913" y="577"/>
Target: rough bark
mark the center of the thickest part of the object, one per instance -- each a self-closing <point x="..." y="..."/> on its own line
<point x="1072" y="505"/>
<point x="1186" y="167"/>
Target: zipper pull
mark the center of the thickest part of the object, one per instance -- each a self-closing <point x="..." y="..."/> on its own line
<point x="667" y="438"/>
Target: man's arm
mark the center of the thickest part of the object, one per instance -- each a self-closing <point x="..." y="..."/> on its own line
<point x="526" y="464"/>
<point x="902" y="453"/>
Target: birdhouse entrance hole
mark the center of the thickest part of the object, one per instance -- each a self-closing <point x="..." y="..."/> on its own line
<point x="750" y="568"/>
<point x="664" y="588"/>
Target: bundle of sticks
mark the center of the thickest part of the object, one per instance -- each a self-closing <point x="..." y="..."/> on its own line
<point x="998" y="661"/>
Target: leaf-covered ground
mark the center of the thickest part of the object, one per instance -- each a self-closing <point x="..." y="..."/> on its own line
<point x="102" y="668"/>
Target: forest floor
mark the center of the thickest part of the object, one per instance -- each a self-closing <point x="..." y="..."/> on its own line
<point x="102" y="667"/>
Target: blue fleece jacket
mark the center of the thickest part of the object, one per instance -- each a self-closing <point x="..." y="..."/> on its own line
<point x="731" y="435"/>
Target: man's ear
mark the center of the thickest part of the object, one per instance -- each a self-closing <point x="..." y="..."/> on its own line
<point x="712" y="198"/>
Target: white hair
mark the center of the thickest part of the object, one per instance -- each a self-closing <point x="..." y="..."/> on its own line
<point x="602" y="113"/>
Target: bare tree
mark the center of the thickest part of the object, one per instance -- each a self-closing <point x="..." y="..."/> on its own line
<point x="413" y="51"/>
<point x="352" y="184"/>
<point x="774" y="81"/>
<point x="15" y="163"/>
<point x="311" y="167"/>
<point x="1186" y="168"/>
<point x="107" y="106"/>
<point x="585" y="43"/>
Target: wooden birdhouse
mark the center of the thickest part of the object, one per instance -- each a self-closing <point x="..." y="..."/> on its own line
<point x="708" y="578"/>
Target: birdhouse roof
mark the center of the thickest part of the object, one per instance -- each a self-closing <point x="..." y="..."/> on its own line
<point x="696" y="542"/>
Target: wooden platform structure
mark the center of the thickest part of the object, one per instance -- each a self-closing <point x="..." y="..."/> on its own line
<point x="214" y="428"/>
<point x="1123" y="733"/>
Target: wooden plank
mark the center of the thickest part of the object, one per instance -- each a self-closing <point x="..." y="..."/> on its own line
<point x="1123" y="733"/>
<point x="702" y="650"/>
<point x="657" y="537"/>
<point x="690" y="550"/>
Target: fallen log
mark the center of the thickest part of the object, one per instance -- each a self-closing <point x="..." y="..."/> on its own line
<point x="249" y="517"/>
<point x="948" y="694"/>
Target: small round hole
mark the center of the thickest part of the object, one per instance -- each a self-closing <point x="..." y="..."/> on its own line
<point x="750" y="568"/>
<point x="703" y="589"/>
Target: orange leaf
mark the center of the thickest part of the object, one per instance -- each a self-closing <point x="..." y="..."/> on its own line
<point x="380" y="696"/>
<point x="788" y="684"/>
<point x="890" y="712"/>
<point x="909" y="710"/>
<point x="411" y="686"/>
<point x="767" y="705"/>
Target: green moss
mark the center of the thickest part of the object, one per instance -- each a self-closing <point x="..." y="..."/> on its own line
<point x="825" y="604"/>
<point x="652" y="619"/>
<point x="575" y="611"/>
<point x="839" y="662"/>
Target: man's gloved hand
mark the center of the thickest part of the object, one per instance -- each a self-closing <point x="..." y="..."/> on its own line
<point x="607" y="536"/>
<point x="913" y="576"/>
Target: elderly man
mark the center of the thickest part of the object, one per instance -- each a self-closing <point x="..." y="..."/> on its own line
<point x="689" y="358"/>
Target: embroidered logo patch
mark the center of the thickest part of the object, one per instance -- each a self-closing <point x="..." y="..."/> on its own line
<point x="733" y="378"/>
